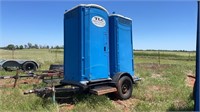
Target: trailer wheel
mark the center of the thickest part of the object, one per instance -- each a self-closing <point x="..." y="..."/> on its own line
<point x="124" y="88"/>
<point x="29" y="66"/>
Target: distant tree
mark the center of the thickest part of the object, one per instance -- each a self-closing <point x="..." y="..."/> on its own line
<point x="36" y="46"/>
<point x="51" y="47"/>
<point x="47" y="46"/>
<point x="2" y="47"/>
<point x="30" y="45"/>
<point x="25" y="46"/>
<point x="21" y="47"/>
<point x="57" y="47"/>
<point x="10" y="47"/>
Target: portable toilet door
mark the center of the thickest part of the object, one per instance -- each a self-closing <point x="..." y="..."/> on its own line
<point x="97" y="32"/>
<point x="86" y="45"/>
<point x="121" y="49"/>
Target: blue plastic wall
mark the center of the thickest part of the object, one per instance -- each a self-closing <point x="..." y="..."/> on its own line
<point x="86" y="45"/>
<point x="121" y="50"/>
<point x="196" y="104"/>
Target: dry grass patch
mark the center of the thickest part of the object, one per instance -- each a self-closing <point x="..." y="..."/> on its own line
<point x="125" y="105"/>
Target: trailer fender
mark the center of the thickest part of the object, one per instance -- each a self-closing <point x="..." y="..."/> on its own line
<point x="11" y="63"/>
<point x="119" y="75"/>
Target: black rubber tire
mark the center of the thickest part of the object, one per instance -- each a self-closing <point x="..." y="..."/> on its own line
<point x="124" y="88"/>
<point x="29" y="66"/>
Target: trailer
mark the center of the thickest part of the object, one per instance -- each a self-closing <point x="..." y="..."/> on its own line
<point x="55" y="74"/>
<point x="98" y="54"/>
<point x="13" y="64"/>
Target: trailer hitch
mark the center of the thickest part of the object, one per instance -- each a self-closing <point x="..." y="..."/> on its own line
<point x="54" y="91"/>
<point x="41" y="90"/>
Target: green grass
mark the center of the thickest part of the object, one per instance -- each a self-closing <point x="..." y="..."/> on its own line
<point x="163" y="86"/>
<point x="163" y="89"/>
<point x="185" y="56"/>
<point x="14" y="100"/>
<point x="93" y="103"/>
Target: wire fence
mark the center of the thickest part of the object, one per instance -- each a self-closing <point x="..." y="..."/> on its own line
<point x="139" y="55"/>
<point x="164" y="56"/>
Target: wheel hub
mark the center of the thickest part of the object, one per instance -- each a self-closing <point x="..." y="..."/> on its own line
<point x="125" y="87"/>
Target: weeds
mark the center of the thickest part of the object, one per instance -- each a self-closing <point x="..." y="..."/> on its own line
<point x="162" y="88"/>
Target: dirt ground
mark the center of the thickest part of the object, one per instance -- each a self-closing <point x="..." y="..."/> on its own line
<point x="125" y="105"/>
<point x="10" y="82"/>
<point x="65" y="107"/>
<point x="190" y="80"/>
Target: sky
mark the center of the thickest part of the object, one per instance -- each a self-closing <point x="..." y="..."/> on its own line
<point x="159" y="25"/>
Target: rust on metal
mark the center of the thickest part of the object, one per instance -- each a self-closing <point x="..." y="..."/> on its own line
<point x="35" y="75"/>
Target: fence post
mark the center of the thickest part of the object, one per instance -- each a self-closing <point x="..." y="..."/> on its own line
<point x="158" y="57"/>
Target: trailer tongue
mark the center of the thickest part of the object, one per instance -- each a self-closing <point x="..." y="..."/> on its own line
<point x="101" y="90"/>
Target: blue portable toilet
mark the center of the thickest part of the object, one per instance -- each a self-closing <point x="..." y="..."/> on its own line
<point x="86" y="44"/>
<point x="120" y="42"/>
<point x="87" y="56"/>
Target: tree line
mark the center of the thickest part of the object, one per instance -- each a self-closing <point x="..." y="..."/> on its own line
<point x="31" y="46"/>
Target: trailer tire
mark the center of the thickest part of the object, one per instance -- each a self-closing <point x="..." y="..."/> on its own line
<point x="29" y="66"/>
<point x="124" y="88"/>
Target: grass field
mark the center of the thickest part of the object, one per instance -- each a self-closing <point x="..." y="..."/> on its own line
<point x="163" y="86"/>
